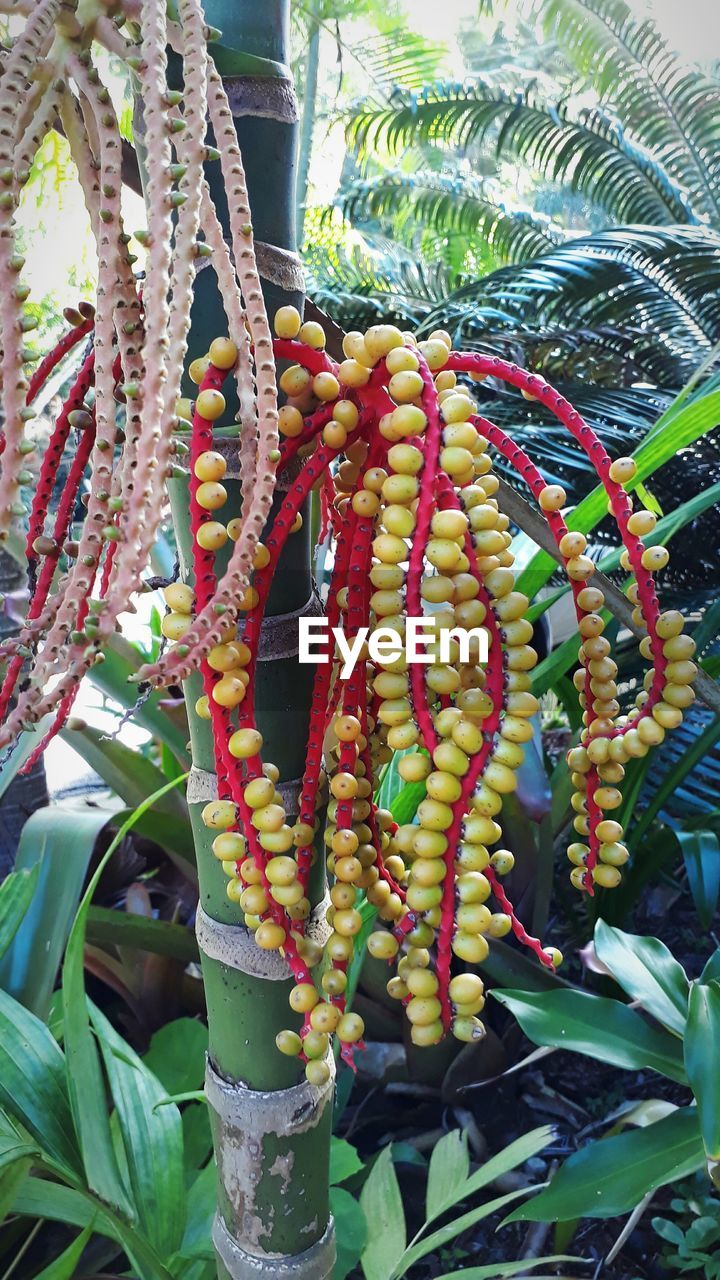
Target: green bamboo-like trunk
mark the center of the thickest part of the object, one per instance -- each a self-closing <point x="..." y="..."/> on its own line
<point x="271" y="1129"/>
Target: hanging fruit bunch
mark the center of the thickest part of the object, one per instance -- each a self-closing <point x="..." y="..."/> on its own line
<point x="403" y="462"/>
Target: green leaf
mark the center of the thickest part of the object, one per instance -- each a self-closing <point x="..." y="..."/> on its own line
<point x="351" y="1231"/>
<point x="177" y="1055"/>
<point x="32" y="1083"/>
<point x="39" y="1198"/>
<point x="63" y="1267"/>
<point x="16" y="893"/>
<point x="447" y="1174"/>
<point x="600" y="1028"/>
<point x="382" y="1205"/>
<point x="201" y="1205"/>
<point x="647" y="971"/>
<point x="60" y="842"/>
<point x="16" y="1159"/>
<point x="391" y="784"/>
<point x="405" y="805"/>
<point x="702" y="1046"/>
<point x="611" y="1176"/>
<point x="85" y="1081"/>
<point x="497" y="1269"/>
<point x="509" y="967"/>
<point x="86" y="1085"/>
<point x="444" y="1235"/>
<point x="107" y="927"/>
<point x="344" y="1161"/>
<point x="152" y="1137"/>
<point x="517" y="1152"/>
<point x="133" y="778"/>
<point x="701" y="855"/>
<point x="712" y="968"/>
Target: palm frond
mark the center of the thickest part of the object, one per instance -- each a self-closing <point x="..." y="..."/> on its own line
<point x="661" y="284"/>
<point x="399" y="59"/>
<point x="361" y="279"/>
<point x="586" y="150"/>
<point x="673" y="110"/>
<point x="446" y="205"/>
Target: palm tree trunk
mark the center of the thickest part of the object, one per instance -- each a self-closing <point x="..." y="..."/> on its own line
<point x="271" y="1128"/>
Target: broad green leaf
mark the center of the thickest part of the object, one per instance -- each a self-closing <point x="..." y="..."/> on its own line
<point x="61" y="842"/>
<point x="344" y="1161"/>
<point x="16" y="893"/>
<point x="712" y="968"/>
<point x="33" y="1090"/>
<point x="133" y="778"/>
<point x="444" y="1235"/>
<point x="84" y="1075"/>
<point x="177" y="1055"/>
<point x="382" y="1205"/>
<point x="600" y="1028"/>
<point x="63" y="1267"/>
<point x="647" y="971"/>
<point x="447" y="1173"/>
<point x="351" y="1231"/>
<point x="152" y="1137"/>
<point x="611" y="1176"/>
<point x="702" y="1054"/>
<point x="701" y="855"/>
<point x="498" y="1269"/>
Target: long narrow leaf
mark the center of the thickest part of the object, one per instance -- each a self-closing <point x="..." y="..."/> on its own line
<point x="444" y="1235"/>
<point x="33" y="1089"/>
<point x="593" y="1025"/>
<point x="701" y="855"/>
<point x="152" y="1136"/>
<point x="702" y="1048"/>
<point x="15" y="897"/>
<point x="63" y="1267"/>
<point x="57" y="845"/>
<point x="611" y="1176"/>
<point x="447" y="1174"/>
<point x="85" y="1081"/>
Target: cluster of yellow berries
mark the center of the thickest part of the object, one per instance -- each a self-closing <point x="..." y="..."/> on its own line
<point x="421" y="537"/>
